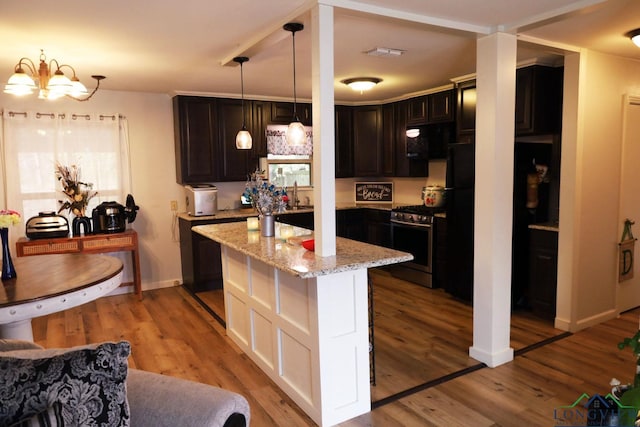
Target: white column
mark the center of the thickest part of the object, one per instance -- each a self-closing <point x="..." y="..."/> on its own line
<point x="496" y="66"/>
<point x="324" y="193"/>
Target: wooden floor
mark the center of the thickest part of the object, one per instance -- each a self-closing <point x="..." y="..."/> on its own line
<point x="172" y="334"/>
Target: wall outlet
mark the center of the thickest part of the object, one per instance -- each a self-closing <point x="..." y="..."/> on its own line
<point x="174" y="205"/>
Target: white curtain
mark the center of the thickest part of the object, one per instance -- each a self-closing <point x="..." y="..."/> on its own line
<point x="32" y="144"/>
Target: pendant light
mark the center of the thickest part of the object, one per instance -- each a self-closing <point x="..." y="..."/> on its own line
<point x="296" y="134"/>
<point x="243" y="138"/>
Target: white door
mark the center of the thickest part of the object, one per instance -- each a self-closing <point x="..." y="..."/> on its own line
<point x="628" y="295"/>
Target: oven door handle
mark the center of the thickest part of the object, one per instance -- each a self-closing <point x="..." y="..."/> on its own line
<point x="409" y="224"/>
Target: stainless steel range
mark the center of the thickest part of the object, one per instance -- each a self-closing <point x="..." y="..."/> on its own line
<point x="412" y="231"/>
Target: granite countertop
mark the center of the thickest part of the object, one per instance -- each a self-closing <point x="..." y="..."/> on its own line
<point x="296" y="260"/>
<point x="247" y="212"/>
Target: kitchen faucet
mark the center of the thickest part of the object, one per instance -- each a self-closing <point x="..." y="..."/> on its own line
<point x="294" y="195"/>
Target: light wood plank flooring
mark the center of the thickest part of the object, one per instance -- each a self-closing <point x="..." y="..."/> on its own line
<point x="421" y="334"/>
<point x="172" y="334"/>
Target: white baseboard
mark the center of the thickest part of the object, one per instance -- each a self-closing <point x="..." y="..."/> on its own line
<point x="578" y="325"/>
<point x="145" y="287"/>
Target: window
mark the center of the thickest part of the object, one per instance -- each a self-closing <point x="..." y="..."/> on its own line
<point x="34" y="142"/>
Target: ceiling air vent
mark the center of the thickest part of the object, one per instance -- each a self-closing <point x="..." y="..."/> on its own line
<point x="384" y="51"/>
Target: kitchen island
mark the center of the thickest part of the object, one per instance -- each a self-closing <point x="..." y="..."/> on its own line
<point x="303" y="319"/>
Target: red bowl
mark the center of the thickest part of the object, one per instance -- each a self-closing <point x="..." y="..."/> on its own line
<point x="309" y="245"/>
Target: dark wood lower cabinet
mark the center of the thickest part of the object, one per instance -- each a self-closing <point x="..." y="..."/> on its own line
<point x="301" y="219"/>
<point x="200" y="257"/>
<point x="378" y="230"/>
<point x="350" y="224"/>
<point x="440" y="252"/>
<point x="543" y="272"/>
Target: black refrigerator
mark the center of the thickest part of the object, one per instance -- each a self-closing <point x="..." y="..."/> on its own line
<point x="460" y="180"/>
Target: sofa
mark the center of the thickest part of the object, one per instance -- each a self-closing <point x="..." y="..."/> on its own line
<point x="92" y="385"/>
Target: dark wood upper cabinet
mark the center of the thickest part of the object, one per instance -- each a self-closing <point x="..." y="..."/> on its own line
<point x="261" y="111"/>
<point x="367" y="141"/>
<point x="466" y="111"/>
<point x="441" y="106"/>
<point x="196" y="136"/>
<point x="205" y="139"/>
<point x="282" y="113"/>
<point x="404" y="166"/>
<point x="234" y="163"/>
<point x="388" y="140"/>
<point x="417" y="110"/>
<point x="538" y="100"/>
<point x="344" y="141"/>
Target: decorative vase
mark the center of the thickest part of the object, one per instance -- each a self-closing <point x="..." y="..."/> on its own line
<point x="267" y="225"/>
<point x="8" y="270"/>
<point x="81" y="225"/>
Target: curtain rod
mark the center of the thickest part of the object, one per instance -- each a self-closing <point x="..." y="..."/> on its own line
<point x="63" y="115"/>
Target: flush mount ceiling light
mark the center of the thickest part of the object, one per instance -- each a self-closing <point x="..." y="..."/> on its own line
<point x="634" y="35"/>
<point x="384" y="51"/>
<point x="295" y="132"/>
<point x="360" y="84"/>
<point x="52" y="83"/>
<point x="243" y="138"/>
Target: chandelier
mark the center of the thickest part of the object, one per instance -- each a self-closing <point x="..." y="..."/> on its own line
<point x="49" y="80"/>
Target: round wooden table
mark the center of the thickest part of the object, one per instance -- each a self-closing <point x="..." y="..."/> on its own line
<point x="50" y="283"/>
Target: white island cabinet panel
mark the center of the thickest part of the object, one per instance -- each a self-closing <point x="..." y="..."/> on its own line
<point x="344" y="334"/>
<point x="303" y="319"/>
<point x="284" y="337"/>
<point x="293" y="303"/>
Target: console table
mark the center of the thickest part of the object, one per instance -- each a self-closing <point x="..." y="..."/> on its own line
<point x="126" y="241"/>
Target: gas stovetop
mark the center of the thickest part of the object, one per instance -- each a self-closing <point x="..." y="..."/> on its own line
<point x="414" y="214"/>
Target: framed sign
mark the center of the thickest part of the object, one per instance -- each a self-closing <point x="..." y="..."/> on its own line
<point x="374" y="192"/>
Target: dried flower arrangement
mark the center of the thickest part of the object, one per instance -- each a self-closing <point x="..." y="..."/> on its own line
<point x="265" y="198"/>
<point x="78" y="193"/>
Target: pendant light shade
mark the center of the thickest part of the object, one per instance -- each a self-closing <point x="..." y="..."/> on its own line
<point x="634" y="35"/>
<point x="243" y="138"/>
<point x="295" y="132"/>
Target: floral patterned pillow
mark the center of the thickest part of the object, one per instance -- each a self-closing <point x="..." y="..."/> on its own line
<point x="52" y="417"/>
<point x="88" y="382"/>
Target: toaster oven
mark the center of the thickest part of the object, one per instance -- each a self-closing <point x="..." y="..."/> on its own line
<point x="47" y="225"/>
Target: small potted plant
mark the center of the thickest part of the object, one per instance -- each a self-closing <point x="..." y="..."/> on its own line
<point x="629" y="396"/>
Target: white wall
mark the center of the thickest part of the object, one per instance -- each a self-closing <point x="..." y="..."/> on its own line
<point x="154" y="185"/>
<point x="407" y="191"/>
<point x="590" y="187"/>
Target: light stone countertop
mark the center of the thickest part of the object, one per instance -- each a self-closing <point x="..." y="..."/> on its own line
<point x="247" y="212"/>
<point x="296" y="260"/>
